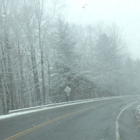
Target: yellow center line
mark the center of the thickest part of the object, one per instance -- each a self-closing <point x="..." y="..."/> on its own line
<point x="46" y="123"/>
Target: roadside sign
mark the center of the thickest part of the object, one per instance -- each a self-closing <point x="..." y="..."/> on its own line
<point x="67" y="90"/>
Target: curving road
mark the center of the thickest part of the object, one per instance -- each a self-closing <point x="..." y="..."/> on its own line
<point x="86" y="121"/>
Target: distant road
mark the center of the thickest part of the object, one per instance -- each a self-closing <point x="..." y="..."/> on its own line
<point x="88" y="121"/>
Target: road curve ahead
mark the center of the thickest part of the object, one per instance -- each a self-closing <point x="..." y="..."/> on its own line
<point x="86" y="121"/>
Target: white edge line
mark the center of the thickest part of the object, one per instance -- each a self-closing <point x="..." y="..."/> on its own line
<point x="117" y="124"/>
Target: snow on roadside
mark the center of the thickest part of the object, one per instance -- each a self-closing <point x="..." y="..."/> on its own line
<point x="137" y="113"/>
<point x="46" y="108"/>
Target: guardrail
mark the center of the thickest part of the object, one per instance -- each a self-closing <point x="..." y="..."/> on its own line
<point x="63" y="103"/>
<point x="53" y="104"/>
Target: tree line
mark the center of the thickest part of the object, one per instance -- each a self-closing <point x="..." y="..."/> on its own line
<point x="41" y="53"/>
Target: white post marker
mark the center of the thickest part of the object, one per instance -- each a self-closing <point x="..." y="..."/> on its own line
<point x="67" y="90"/>
<point x="1" y="113"/>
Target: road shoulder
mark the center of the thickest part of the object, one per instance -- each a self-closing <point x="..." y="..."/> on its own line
<point x="129" y="127"/>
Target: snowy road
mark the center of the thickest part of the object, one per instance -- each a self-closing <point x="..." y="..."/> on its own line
<point x="88" y="121"/>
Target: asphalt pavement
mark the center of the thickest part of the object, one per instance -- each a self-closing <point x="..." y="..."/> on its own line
<point x="129" y="126"/>
<point x="87" y="121"/>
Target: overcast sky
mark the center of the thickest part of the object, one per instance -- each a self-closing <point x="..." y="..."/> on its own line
<point x="124" y="13"/>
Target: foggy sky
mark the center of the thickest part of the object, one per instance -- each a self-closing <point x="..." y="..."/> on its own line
<point x="124" y="13"/>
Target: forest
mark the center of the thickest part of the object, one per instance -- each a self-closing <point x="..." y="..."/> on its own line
<point x="41" y="53"/>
